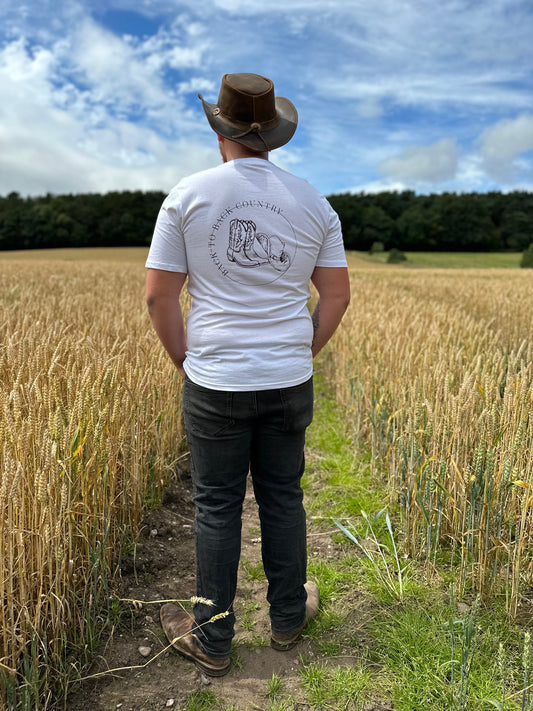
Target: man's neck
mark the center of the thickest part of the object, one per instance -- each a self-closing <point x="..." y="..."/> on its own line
<point x="231" y="150"/>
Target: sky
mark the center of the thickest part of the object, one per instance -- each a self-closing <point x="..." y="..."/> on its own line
<point x="101" y="95"/>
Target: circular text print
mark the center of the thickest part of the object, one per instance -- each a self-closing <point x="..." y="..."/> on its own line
<point x="252" y="242"/>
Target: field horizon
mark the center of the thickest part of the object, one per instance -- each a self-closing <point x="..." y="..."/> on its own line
<point x="426" y="260"/>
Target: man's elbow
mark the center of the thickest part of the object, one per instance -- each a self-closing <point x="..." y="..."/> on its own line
<point x="152" y="301"/>
<point x="343" y="299"/>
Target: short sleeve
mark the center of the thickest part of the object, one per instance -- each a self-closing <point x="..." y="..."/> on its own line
<point x="167" y="251"/>
<point x="332" y="252"/>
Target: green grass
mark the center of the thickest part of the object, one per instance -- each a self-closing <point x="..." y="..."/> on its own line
<point x="431" y="671"/>
<point x="254" y="572"/>
<point x="336" y="687"/>
<point x="274" y="686"/>
<point x="202" y="701"/>
<point x="340" y="480"/>
<point x="248" y="608"/>
<point x="451" y="260"/>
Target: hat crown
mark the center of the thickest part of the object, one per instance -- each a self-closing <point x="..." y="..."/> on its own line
<point x="247" y="98"/>
<point x="249" y="112"/>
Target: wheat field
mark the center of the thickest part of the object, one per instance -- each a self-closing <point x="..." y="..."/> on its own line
<point x="89" y="425"/>
<point x="433" y="369"/>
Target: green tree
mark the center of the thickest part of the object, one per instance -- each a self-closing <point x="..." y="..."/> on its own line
<point x="377" y="226"/>
<point x="414" y="229"/>
<point x="11" y="211"/>
<point x="516" y="230"/>
<point x="350" y="210"/>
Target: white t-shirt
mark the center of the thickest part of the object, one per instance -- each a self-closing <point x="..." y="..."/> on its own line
<point x="249" y="236"/>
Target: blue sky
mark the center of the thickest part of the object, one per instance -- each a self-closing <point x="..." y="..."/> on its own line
<point x="101" y="95"/>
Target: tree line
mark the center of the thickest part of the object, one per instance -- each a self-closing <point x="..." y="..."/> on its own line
<point x="448" y="222"/>
<point x="115" y="219"/>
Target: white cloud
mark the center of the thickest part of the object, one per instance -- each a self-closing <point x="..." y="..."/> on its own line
<point x="181" y="46"/>
<point x="470" y="175"/>
<point x="380" y="186"/>
<point x="62" y="140"/>
<point x="112" y="69"/>
<point x="197" y="85"/>
<point x="436" y="90"/>
<point x="180" y="57"/>
<point x="369" y="108"/>
<point x="36" y="164"/>
<point x="423" y="164"/>
<point x="18" y="70"/>
<point x="501" y="147"/>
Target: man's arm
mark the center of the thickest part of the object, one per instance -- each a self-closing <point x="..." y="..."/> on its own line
<point x="163" y="291"/>
<point x="333" y="286"/>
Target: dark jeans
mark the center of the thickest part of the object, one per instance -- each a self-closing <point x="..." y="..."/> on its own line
<point x="230" y="434"/>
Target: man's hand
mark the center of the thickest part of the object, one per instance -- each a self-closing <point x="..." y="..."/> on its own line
<point x="163" y="291"/>
<point x="333" y="286"/>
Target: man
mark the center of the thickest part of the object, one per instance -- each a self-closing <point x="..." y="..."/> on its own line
<point x="249" y="237"/>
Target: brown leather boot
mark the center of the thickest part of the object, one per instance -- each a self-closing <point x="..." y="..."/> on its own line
<point x="178" y="626"/>
<point x="284" y="642"/>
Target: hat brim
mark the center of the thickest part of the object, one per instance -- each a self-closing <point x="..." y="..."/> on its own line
<point x="271" y="139"/>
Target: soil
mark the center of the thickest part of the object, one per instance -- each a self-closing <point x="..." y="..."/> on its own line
<point x="163" y="568"/>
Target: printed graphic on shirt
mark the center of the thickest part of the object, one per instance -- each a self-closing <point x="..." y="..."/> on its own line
<point x="250" y="249"/>
<point x="252" y="242"/>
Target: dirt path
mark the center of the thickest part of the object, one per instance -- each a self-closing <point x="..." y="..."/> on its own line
<point x="164" y="569"/>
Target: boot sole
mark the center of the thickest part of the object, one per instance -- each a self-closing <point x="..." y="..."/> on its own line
<point x="284" y="646"/>
<point x="209" y="671"/>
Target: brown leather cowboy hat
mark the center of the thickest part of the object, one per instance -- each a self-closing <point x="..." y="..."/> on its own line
<point x="248" y="112"/>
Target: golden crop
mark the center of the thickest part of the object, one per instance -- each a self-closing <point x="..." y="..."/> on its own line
<point x="89" y="424"/>
<point x="435" y="371"/>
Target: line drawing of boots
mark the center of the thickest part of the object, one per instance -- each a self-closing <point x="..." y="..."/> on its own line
<point x="241" y="244"/>
<point x="236" y="239"/>
<point x="250" y="247"/>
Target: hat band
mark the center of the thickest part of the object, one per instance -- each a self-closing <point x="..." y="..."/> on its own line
<point x="256" y="126"/>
